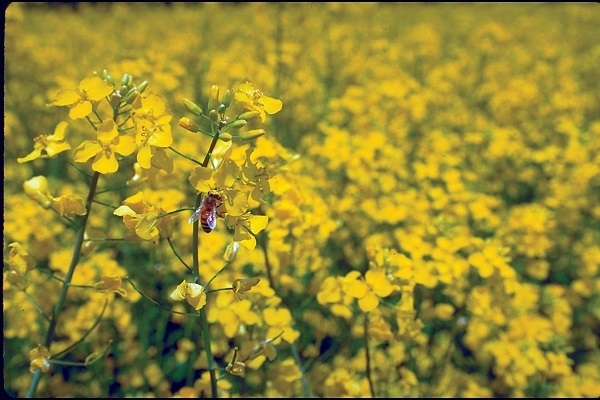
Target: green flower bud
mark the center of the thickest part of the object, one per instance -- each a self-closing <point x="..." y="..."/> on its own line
<point x="226" y="98"/>
<point x="253" y="134"/>
<point x="248" y="115"/>
<point x="130" y="81"/>
<point x="125" y="79"/>
<point x="221" y="109"/>
<point x="109" y="79"/>
<point x="237" y="124"/>
<point x="225" y="136"/>
<point x="115" y="99"/>
<point x="142" y="86"/>
<point x="213" y="115"/>
<point x="123" y="91"/>
<point x="192" y="107"/>
<point x="213" y="98"/>
<point x="131" y="96"/>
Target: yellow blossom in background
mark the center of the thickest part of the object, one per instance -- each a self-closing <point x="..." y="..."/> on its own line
<point x="51" y="144"/>
<point x="19" y="259"/>
<point x="110" y="284"/>
<point x="80" y="100"/>
<point x="103" y="150"/>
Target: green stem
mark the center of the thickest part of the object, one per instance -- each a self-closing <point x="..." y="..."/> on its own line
<point x="68" y="277"/>
<point x="368" y="356"/>
<point x="184" y="156"/>
<point x="209" y="356"/>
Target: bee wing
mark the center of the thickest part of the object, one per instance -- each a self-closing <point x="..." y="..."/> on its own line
<point x="211" y="220"/>
<point x="195" y="216"/>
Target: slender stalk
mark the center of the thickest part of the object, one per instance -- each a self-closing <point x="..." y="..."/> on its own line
<point x="76" y="255"/>
<point x="196" y="272"/>
<point x="368" y="356"/>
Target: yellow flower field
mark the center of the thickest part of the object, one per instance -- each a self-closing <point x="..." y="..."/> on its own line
<point x="293" y="200"/>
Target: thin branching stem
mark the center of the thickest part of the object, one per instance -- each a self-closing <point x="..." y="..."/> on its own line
<point x="62" y="297"/>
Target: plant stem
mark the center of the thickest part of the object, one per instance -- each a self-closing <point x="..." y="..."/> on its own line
<point x="68" y="277"/>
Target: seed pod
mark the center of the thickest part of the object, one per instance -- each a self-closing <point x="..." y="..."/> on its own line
<point x="248" y="115"/>
<point x="142" y="86"/>
<point x="237" y="124"/>
<point x="253" y="134"/>
<point x="192" y="107"/>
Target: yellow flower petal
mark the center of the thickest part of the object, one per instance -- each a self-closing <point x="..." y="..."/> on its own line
<point x="86" y="150"/>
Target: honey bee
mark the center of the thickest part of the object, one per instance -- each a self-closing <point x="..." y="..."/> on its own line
<point x="207" y="211"/>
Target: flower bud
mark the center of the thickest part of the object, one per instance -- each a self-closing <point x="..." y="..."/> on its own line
<point x="225" y="136"/>
<point x="142" y="86"/>
<point x="213" y="115"/>
<point x="123" y="91"/>
<point x="253" y="134"/>
<point x="131" y="96"/>
<point x="221" y="109"/>
<point x="130" y="81"/>
<point x="125" y="79"/>
<point x="213" y="98"/>
<point x="109" y="79"/>
<point x="248" y="115"/>
<point x="188" y="124"/>
<point x="37" y="189"/>
<point x="237" y="124"/>
<point x="192" y="107"/>
<point x="226" y="98"/>
<point x="115" y="99"/>
<point x="231" y="251"/>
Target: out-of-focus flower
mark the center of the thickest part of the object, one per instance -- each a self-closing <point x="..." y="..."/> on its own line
<point x="38" y="359"/>
<point x="110" y="284"/>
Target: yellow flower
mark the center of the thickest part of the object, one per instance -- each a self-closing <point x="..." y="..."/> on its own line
<point x="110" y="284"/>
<point x="51" y="144"/>
<point x="19" y="259"/>
<point x="193" y="293"/>
<point x="80" y="100"/>
<point x="253" y="99"/>
<point x="37" y="189"/>
<point x="39" y="359"/>
<point x="143" y="219"/>
<point x="69" y="205"/>
<point x="152" y="125"/>
<point x="244" y="285"/>
<point x="103" y="150"/>
<point x="280" y="320"/>
<point x="246" y="227"/>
